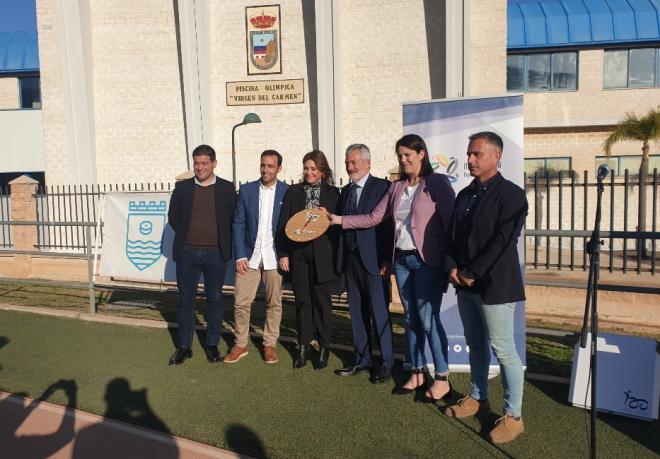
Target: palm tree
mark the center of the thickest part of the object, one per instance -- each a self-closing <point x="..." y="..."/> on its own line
<point x="642" y="129"/>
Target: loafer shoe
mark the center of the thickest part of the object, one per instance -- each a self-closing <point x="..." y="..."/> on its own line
<point x="236" y="354"/>
<point x="212" y="354"/>
<point x="352" y="370"/>
<point x="382" y="376"/>
<point x="270" y="355"/>
<point x="180" y="355"/>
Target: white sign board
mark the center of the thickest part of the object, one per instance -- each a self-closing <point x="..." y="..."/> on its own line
<point x="627" y="379"/>
<point x="137" y="241"/>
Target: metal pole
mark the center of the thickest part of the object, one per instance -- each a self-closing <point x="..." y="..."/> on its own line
<point x="233" y="153"/>
<point x="90" y="270"/>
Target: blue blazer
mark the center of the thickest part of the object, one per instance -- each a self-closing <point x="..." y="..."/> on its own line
<point x="375" y="244"/>
<point x="246" y="217"/>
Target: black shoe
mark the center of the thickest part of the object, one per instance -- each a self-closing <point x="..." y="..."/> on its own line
<point x="180" y="355"/>
<point x="382" y="376"/>
<point x="352" y="370"/>
<point x="400" y="390"/>
<point x="323" y="358"/>
<point x="212" y="354"/>
<point x="301" y="358"/>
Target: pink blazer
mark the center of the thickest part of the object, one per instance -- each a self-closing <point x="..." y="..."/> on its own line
<point x="431" y="211"/>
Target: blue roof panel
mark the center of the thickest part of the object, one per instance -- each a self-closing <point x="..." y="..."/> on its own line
<point x="534" y="23"/>
<point x="19" y="52"/>
<point x="556" y="23"/>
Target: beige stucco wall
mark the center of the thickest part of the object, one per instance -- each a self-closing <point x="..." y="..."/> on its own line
<point x="9" y="93"/>
<point x="285" y="128"/>
<point x="56" y="130"/>
<point x="486" y="48"/>
<point x="138" y="117"/>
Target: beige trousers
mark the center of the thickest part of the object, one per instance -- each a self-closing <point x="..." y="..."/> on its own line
<point x="245" y="291"/>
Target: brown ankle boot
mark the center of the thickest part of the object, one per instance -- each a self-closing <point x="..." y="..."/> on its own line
<point x="507" y="428"/>
<point x="467" y="406"/>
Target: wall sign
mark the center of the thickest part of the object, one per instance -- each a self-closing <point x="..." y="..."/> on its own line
<point x="264" y="41"/>
<point x="269" y="92"/>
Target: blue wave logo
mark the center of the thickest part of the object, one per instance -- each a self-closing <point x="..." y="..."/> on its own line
<point x="145" y="224"/>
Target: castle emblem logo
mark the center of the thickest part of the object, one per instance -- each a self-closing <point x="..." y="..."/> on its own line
<point x="144" y="232"/>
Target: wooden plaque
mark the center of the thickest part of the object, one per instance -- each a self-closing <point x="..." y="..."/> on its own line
<point x="307" y="225"/>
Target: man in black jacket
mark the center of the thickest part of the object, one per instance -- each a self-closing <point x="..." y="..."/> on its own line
<point x="200" y="213"/>
<point x="488" y="217"/>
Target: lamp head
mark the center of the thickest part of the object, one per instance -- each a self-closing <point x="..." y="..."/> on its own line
<point x="251" y="118"/>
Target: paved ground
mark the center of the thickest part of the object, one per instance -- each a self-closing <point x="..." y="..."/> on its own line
<point x="34" y="429"/>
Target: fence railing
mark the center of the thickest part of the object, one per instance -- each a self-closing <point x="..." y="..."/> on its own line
<point x="562" y="212"/>
<point x="561" y="215"/>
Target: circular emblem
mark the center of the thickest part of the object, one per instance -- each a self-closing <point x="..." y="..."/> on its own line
<point x="146" y="227"/>
<point x="307" y="225"/>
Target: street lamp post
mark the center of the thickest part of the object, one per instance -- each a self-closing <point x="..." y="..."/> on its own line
<point x="247" y="119"/>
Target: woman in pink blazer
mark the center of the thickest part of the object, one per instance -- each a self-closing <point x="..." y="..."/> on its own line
<point x="420" y="206"/>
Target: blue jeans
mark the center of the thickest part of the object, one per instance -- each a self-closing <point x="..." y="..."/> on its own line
<point x="194" y="262"/>
<point x="421" y="295"/>
<point x="486" y="326"/>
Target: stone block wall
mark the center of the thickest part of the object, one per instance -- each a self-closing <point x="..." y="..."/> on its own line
<point x="9" y="93"/>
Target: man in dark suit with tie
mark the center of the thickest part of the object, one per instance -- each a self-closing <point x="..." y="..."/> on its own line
<point x="362" y="257"/>
<point x="200" y="213"/>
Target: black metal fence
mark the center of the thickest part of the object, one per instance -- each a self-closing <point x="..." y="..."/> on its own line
<point x="562" y="210"/>
<point x="562" y="214"/>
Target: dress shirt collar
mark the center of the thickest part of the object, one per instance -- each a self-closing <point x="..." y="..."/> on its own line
<point x="197" y="182"/>
<point x="362" y="181"/>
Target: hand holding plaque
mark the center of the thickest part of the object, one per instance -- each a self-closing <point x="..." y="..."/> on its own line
<point x="307" y="225"/>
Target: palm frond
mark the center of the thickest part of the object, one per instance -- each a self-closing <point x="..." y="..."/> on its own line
<point x="632" y="127"/>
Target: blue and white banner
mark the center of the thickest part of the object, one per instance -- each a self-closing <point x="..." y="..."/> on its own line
<point x="445" y="125"/>
<point x="137" y="241"/>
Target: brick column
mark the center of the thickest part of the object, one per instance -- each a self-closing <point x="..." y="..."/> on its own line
<point x="23" y="208"/>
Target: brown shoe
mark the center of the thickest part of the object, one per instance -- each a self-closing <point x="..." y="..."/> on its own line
<point x="236" y="354"/>
<point x="507" y="428"/>
<point x="467" y="406"/>
<point x="270" y="354"/>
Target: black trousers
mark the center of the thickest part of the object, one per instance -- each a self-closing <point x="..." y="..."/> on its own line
<point x="313" y="299"/>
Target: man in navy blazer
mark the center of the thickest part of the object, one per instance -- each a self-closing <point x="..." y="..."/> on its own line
<point x="363" y="256"/>
<point x="200" y="214"/>
<point x="254" y="229"/>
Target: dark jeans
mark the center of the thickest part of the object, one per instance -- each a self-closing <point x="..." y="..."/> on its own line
<point x="194" y="262"/>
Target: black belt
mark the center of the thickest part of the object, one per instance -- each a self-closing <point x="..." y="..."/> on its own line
<point x="406" y="252"/>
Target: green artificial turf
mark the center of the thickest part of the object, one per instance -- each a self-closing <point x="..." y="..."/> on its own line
<point x="274" y="411"/>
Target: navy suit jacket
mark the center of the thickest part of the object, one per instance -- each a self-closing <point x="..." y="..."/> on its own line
<point x="374" y="244"/>
<point x="246" y="217"/>
<point x="180" y="212"/>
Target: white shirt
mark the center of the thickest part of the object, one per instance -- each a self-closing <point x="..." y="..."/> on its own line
<point x="403" y="218"/>
<point x="264" y="245"/>
<point x="360" y="185"/>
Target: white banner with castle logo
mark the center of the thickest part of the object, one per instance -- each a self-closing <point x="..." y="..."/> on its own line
<point x="137" y="241"/>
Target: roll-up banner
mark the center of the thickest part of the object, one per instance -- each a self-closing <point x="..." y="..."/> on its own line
<point x="445" y="125"/>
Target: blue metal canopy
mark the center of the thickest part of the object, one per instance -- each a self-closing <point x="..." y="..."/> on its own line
<point x="19" y="52"/>
<point x="555" y="23"/>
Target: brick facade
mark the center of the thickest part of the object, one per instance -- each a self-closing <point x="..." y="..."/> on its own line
<point x="9" y="93"/>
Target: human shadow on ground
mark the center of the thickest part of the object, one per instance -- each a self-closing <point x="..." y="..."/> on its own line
<point x="13" y="412"/>
<point x="243" y="440"/>
<point x="3" y="342"/>
<point x="129" y="406"/>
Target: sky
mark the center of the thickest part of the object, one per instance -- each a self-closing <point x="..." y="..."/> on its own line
<point x="18" y="15"/>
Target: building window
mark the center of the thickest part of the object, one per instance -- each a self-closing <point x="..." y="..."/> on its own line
<point x="631" y="68"/>
<point x="542" y="72"/>
<point x="30" y="92"/>
<point x="551" y="167"/>
<point x="632" y="163"/>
